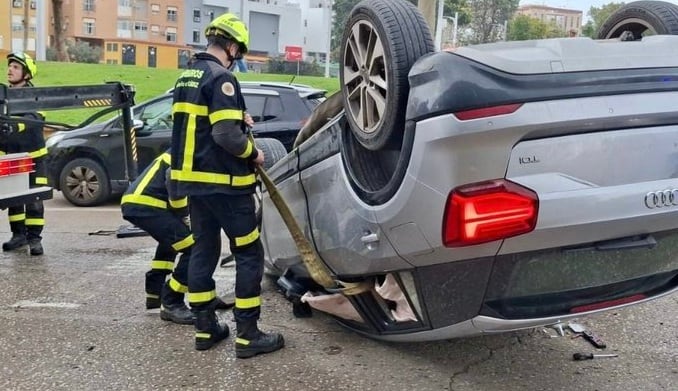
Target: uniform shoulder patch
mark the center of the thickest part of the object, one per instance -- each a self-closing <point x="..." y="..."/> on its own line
<point x="228" y="89"/>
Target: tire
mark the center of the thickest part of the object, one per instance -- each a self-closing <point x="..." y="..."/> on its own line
<point x="273" y="150"/>
<point x="381" y="42"/>
<point x="84" y="182"/>
<point x="635" y="20"/>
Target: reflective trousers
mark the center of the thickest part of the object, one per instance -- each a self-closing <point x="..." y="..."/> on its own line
<point x="173" y="236"/>
<point x="234" y="214"/>
<point x="29" y="219"/>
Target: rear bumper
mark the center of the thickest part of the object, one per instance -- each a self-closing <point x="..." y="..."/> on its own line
<point x="32" y="195"/>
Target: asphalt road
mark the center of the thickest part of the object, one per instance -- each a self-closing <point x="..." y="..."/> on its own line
<point x="74" y="319"/>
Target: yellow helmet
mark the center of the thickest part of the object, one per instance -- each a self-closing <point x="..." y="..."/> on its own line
<point x="25" y="60"/>
<point x="230" y="26"/>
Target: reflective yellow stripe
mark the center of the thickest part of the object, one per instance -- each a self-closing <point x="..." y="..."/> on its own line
<point x="214" y="178"/>
<point x="152" y="296"/>
<point x="35" y="222"/>
<point x="180" y="203"/>
<point x="251" y="302"/>
<point x="184" y="243"/>
<point x="201" y="297"/>
<point x="39" y="153"/>
<point x="203" y="335"/>
<point x="143" y="200"/>
<point x="21" y="126"/>
<point x="248" y="150"/>
<point x="162" y="265"/>
<point x="15" y="218"/>
<point x="228" y="114"/>
<point x="247" y="239"/>
<point x="165" y="157"/>
<point x="242" y="341"/>
<point x="40" y="180"/>
<point x="190" y="108"/>
<point x="2" y="153"/>
<point x="138" y="198"/>
<point x="177" y="286"/>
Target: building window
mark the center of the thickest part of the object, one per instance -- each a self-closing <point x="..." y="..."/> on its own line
<point x="17" y="3"/>
<point x="171" y="34"/>
<point x="111" y="47"/>
<point x="155" y="29"/>
<point x="172" y="14"/>
<point x="33" y="5"/>
<point x="196" y="36"/>
<point x="88" y="26"/>
<point x="155" y="9"/>
<point x="196" y="15"/>
<point x="109" y="61"/>
<point x="140" y="26"/>
<point x="88" y="5"/>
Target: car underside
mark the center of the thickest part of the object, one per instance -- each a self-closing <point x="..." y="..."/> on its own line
<point x="491" y="188"/>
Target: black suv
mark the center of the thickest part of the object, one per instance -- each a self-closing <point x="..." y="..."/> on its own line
<point x="88" y="164"/>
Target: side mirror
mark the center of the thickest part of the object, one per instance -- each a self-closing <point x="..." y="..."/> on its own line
<point x="140" y="128"/>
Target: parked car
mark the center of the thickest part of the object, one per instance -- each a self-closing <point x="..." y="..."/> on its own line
<point x="491" y="188"/>
<point x="88" y="164"/>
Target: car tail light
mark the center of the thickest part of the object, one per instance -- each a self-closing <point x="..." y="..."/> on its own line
<point x="487" y="211"/>
<point x="487" y="112"/>
<point x="16" y="166"/>
<point x="607" y="304"/>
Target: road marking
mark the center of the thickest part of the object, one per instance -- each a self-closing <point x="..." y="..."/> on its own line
<point x="35" y="304"/>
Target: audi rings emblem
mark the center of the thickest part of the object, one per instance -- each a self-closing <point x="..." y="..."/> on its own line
<point x="661" y="198"/>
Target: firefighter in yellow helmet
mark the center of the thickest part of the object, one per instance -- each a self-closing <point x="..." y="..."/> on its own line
<point x="26" y="221"/>
<point x="213" y="163"/>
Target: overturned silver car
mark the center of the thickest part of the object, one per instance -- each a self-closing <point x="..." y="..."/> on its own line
<point x="492" y="188"/>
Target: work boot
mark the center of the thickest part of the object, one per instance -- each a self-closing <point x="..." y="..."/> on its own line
<point x="152" y="302"/>
<point x="17" y="241"/>
<point x="173" y="308"/>
<point x="222" y="303"/>
<point x="35" y="246"/>
<point x="251" y="341"/>
<point x="177" y="313"/>
<point x="208" y="330"/>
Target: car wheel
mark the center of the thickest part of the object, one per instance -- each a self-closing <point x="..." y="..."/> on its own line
<point x="382" y="39"/>
<point x="84" y="182"/>
<point x="635" y="20"/>
<point x="273" y="150"/>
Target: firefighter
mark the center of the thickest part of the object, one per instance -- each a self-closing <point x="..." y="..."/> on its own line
<point x="26" y="221"/>
<point x="213" y="162"/>
<point x="148" y="205"/>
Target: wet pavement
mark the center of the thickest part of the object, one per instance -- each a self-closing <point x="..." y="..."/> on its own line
<point x="74" y="319"/>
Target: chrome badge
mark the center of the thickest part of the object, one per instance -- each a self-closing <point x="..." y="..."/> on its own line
<point x="661" y="198"/>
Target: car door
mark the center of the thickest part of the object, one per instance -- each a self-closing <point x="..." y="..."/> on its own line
<point x="151" y="140"/>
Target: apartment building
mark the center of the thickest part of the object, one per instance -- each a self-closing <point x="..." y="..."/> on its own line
<point x="131" y="32"/>
<point x="18" y="21"/>
<point x="565" y="19"/>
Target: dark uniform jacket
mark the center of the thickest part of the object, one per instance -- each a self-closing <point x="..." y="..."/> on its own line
<point x="205" y="94"/>
<point x="149" y="194"/>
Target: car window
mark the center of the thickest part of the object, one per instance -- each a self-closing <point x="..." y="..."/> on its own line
<point x="156" y="115"/>
<point x="273" y="108"/>
<point x="255" y="106"/>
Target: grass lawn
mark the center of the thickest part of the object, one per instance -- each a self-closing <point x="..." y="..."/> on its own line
<point x="148" y="82"/>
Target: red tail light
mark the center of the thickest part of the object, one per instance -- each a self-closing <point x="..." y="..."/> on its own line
<point x="16" y="166"/>
<point x="487" y="112"/>
<point x="607" y="304"/>
<point x="487" y="211"/>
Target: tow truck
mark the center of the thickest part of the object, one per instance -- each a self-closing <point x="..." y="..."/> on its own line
<point x="15" y="168"/>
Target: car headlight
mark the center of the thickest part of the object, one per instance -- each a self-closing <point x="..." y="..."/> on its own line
<point x="55" y="138"/>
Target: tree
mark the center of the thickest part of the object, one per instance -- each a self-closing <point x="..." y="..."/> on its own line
<point x="60" y="40"/>
<point x="488" y="18"/>
<point x="598" y="16"/>
<point x="524" y="27"/>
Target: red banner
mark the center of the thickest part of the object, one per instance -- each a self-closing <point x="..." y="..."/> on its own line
<point x="293" y="53"/>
